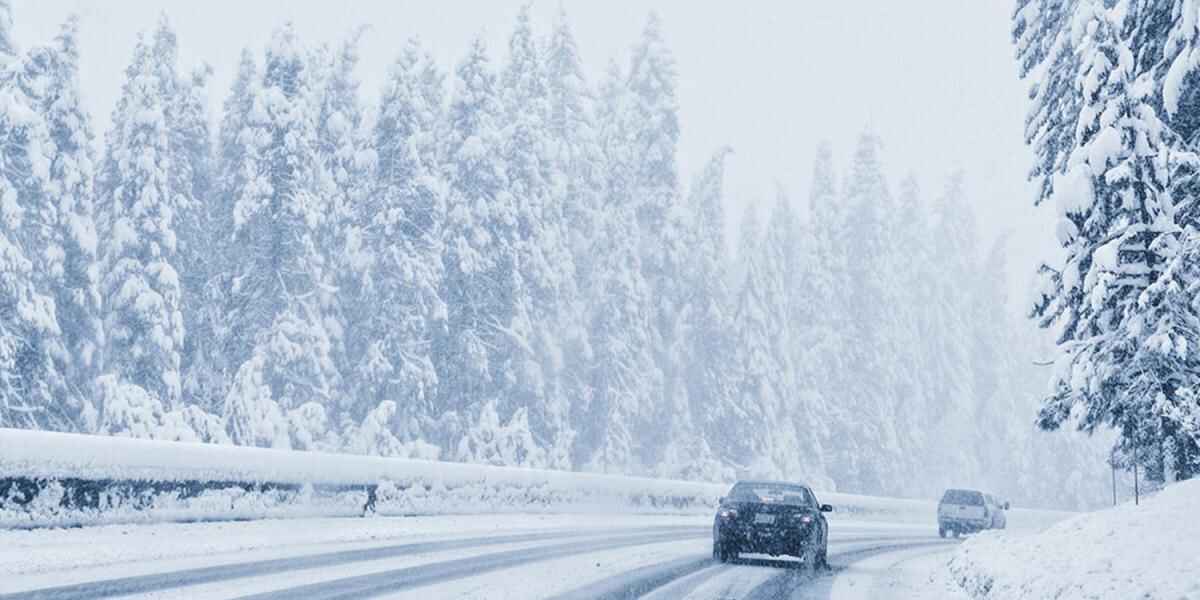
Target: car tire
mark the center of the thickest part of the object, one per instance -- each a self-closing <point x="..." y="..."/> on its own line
<point x="722" y="553"/>
<point x="822" y="559"/>
<point x="941" y="532"/>
<point x="955" y="533"/>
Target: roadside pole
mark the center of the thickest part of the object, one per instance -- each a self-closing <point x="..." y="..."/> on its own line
<point x="1136" y="492"/>
<point x="1112" y="462"/>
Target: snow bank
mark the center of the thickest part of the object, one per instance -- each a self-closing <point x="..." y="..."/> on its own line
<point x="71" y="479"/>
<point x="1146" y="551"/>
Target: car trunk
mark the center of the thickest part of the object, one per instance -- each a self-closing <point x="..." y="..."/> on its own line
<point x="963" y="511"/>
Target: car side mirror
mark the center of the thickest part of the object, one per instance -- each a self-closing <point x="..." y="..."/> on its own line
<point x="826" y="508"/>
<point x="1006" y="506"/>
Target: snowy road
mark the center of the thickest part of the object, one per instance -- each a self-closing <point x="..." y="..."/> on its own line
<point x="513" y="556"/>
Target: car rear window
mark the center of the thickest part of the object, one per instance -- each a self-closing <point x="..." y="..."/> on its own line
<point x="963" y="497"/>
<point x="776" y="493"/>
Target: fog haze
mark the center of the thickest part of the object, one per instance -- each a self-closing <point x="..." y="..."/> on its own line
<point x="934" y="79"/>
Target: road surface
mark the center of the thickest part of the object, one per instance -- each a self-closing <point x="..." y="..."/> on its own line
<point x="492" y="557"/>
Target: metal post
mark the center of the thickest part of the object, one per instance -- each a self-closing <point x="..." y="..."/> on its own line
<point x="1112" y="462"/>
<point x="1136" y="492"/>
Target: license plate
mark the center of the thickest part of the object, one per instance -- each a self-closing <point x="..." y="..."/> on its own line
<point x="764" y="519"/>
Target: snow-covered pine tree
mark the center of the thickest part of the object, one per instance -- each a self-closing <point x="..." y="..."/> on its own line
<point x="230" y="149"/>
<point x="816" y="308"/>
<point x="398" y="270"/>
<point x="200" y="231"/>
<point x="708" y="342"/>
<point x="868" y="388"/>
<point x="8" y="46"/>
<point x="574" y="146"/>
<point x="279" y="340"/>
<point x="487" y="300"/>
<point x="650" y="131"/>
<point x="30" y="383"/>
<point x="1119" y="226"/>
<point x="578" y="182"/>
<point x="209" y="352"/>
<point x="204" y="225"/>
<point x="801" y="411"/>
<point x="65" y="265"/>
<point x="140" y="285"/>
<point x="914" y="322"/>
<point x="613" y="419"/>
<point x="739" y="420"/>
<point x="994" y="363"/>
<point x="348" y="162"/>
<point x="1162" y="382"/>
<point x="956" y="258"/>
<point x="1041" y="33"/>
<point x="546" y="262"/>
<point x="654" y="113"/>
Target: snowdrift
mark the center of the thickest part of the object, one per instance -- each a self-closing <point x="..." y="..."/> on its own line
<point x="1146" y="551"/>
<point x="58" y="479"/>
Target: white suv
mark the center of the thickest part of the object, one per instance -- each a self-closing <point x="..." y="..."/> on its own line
<point x="969" y="511"/>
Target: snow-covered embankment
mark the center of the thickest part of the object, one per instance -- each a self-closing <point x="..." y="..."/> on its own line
<point x="54" y="479"/>
<point x="1150" y="550"/>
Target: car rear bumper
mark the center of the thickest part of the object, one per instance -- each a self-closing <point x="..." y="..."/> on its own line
<point x="792" y="541"/>
<point x="948" y="523"/>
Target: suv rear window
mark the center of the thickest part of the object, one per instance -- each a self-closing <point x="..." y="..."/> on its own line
<point x="966" y="497"/>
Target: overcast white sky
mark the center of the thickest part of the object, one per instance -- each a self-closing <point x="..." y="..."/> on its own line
<point x="934" y="78"/>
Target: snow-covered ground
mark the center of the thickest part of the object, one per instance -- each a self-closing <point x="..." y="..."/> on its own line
<point x="1151" y="550"/>
<point x="513" y="533"/>
<point x="54" y="553"/>
<point x="913" y="574"/>
<point x="585" y="549"/>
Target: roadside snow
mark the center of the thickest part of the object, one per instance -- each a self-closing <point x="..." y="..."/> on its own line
<point x="1146" y="551"/>
<point x="404" y="486"/>
<point x="917" y="575"/>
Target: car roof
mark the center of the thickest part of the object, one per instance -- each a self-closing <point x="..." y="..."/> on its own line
<point x="769" y="482"/>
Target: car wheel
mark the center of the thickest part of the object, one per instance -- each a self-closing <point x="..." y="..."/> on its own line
<point x="941" y="532"/>
<point x="822" y="560"/>
<point x="722" y="552"/>
<point x="955" y="533"/>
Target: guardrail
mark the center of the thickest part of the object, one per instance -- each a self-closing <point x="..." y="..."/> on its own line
<point x="55" y="479"/>
<point x="52" y="479"/>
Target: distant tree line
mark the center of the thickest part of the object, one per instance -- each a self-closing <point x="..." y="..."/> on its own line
<point x="501" y="268"/>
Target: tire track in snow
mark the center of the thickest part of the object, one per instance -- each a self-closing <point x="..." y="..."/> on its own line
<point x="170" y="580"/>
<point x="678" y="578"/>
<point x="808" y="585"/>
<point x="385" y="582"/>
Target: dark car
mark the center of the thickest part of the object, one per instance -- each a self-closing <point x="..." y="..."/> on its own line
<point x="771" y="517"/>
